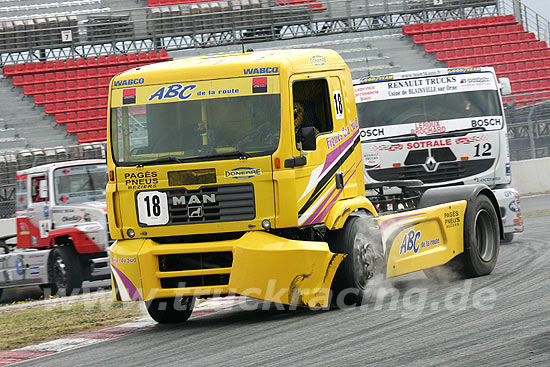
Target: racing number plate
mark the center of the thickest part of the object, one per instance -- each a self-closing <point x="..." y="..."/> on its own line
<point x="152" y="207"/>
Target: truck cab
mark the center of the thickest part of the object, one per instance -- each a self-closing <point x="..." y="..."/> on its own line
<point x="61" y="227"/>
<point x="442" y="126"/>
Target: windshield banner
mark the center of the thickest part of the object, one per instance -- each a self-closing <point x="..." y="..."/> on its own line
<point x="433" y="127"/>
<point x="422" y="87"/>
<point x="194" y="90"/>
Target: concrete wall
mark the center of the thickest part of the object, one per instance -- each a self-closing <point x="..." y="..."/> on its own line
<point x="7" y="227"/>
<point x="531" y="175"/>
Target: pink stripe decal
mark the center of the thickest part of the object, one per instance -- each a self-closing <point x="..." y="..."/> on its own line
<point x="132" y="290"/>
<point x="324" y="213"/>
<point x="332" y="156"/>
<point x="314" y="215"/>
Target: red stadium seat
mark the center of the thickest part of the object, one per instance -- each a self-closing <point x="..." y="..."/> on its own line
<point x="91" y="93"/>
<point x="71" y="128"/>
<point x="163" y="54"/>
<point x="93" y="135"/>
<point x="122" y="59"/>
<point x="60" y="65"/>
<point x="81" y="94"/>
<point x="132" y="58"/>
<point x="92" y="83"/>
<point x="112" y="60"/>
<point x="60" y="118"/>
<point x="102" y="61"/>
<point x="82" y="137"/>
<point x="93" y="114"/>
<point x="28" y="90"/>
<point x="93" y="125"/>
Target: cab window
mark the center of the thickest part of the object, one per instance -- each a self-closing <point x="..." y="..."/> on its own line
<point x="311" y="102"/>
<point x="35" y="189"/>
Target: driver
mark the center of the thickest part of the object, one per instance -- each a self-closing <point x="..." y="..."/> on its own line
<point x="301" y="120"/>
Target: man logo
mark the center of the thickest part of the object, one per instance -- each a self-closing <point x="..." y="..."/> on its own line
<point x="195" y="212"/>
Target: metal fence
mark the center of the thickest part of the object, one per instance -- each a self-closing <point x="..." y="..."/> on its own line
<point x="528" y="119"/>
<point x="218" y="23"/>
<point x="531" y="20"/>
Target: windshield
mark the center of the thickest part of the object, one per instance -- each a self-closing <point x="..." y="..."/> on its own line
<point x="196" y="129"/>
<point x="79" y="184"/>
<point x="437" y="107"/>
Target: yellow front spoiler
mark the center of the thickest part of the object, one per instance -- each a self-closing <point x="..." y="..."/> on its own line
<point x="265" y="267"/>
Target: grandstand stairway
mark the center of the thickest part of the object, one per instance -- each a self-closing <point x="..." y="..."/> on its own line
<point x="73" y="93"/>
<point x="32" y="128"/>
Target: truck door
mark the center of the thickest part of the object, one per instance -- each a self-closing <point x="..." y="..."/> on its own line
<point x="39" y="210"/>
<point x="318" y="103"/>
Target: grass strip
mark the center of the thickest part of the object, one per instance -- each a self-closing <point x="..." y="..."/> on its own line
<point x="34" y="325"/>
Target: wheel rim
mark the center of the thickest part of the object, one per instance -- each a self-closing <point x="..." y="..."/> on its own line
<point x="60" y="273"/>
<point x="365" y="260"/>
<point x="485" y="235"/>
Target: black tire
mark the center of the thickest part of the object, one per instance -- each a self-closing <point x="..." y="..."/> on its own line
<point x="360" y="240"/>
<point x="481" y="244"/>
<point x="481" y="238"/>
<point x="65" y="272"/>
<point x="170" y="310"/>
<point x="508" y="237"/>
<point x="1" y="290"/>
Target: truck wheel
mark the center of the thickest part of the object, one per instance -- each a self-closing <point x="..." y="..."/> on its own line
<point x="65" y="270"/>
<point x="481" y="238"/>
<point x="481" y="244"/>
<point x="360" y="240"/>
<point x="170" y="310"/>
<point x="1" y="290"/>
<point x="508" y="237"/>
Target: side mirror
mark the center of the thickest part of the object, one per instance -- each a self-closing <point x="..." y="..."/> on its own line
<point x="43" y="189"/>
<point x="505" y="86"/>
<point x="309" y="141"/>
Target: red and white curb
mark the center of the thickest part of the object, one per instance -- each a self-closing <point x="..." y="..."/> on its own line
<point x="99" y="336"/>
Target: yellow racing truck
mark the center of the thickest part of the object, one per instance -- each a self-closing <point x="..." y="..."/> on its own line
<point x="243" y="174"/>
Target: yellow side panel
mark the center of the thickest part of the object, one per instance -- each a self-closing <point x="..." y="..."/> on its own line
<point x="423" y="238"/>
<point x="125" y="271"/>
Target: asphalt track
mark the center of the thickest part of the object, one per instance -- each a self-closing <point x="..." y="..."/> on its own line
<point x="500" y="319"/>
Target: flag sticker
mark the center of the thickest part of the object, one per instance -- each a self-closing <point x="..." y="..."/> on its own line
<point x="259" y="85"/>
<point x="129" y="96"/>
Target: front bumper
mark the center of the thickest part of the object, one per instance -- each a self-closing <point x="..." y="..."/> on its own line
<point x="261" y="265"/>
<point x="510" y="209"/>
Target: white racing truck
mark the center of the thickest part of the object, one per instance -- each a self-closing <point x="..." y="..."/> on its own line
<point x="441" y="126"/>
<point x="61" y="228"/>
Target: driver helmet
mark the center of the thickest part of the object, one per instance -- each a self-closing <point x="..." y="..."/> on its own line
<point x="298" y="114"/>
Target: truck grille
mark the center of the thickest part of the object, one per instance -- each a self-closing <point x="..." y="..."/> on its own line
<point x="196" y="261"/>
<point x="195" y="281"/>
<point x="226" y="203"/>
<point x="446" y="171"/>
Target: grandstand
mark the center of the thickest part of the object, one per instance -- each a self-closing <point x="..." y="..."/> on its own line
<point x="58" y="57"/>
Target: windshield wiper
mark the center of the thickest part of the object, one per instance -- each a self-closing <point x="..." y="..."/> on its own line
<point x="168" y="159"/>
<point x="236" y="154"/>
<point x="399" y="138"/>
